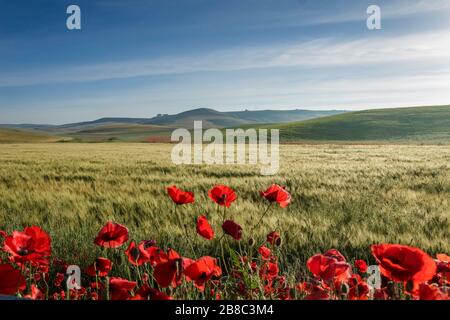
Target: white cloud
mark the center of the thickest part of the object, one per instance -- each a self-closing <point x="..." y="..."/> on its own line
<point x="322" y="53"/>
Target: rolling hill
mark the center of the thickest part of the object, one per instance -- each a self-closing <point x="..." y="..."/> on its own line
<point x="24" y="136"/>
<point x="216" y="119"/>
<point x="210" y="118"/>
<point x="400" y="125"/>
<point x="416" y="124"/>
<point x="123" y="132"/>
<point x="159" y="128"/>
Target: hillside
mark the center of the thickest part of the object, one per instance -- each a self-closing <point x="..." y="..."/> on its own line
<point x="402" y="125"/>
<point x="159" y="128"/>
<point x="417" y="124"/>
<point x="210" y="118"/>
<point x="123" y="132"/>
<point x="216" y="119"/>
<point x="24" y="136"/>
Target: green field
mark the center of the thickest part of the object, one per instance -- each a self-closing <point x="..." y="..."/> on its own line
<point x="344" y="196"/>
<point x="412" y="125"/>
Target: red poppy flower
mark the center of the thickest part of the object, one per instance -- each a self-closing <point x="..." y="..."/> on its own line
<point x="186" y="262"/>
<point x="264" y="252"/>
<point x="443" y="267"/>
<point x="147" y="293"/>
<point x="361" y="265"/>
<point x="59" y="279"/>
<point x="168" y="271"/>
<point x="36" y="294"/>
<point x="404" y="263"/>
<point x="359" y="292"/>
<point x="277" y="194"/>
<point x="179" y="196"/>
<point x="61" y="265"/>
<point x="137" y="254"/>
<point x="431" y="292"/>
<point x="269" y="270"/>
<point x="3" y="234"/>
<point x="222" y="195"/>
<point x="31" y="245"/>
<point x="11" y="280"/>
<point x="156" y="255"/>
<point x="112" y="235"/>
<point x="333" y="253"/>
<point x="202" y="270"/>
<point x="318" y="293"/>
<point x="204" y="228"/>
<point x="274" y="238"/>
<point x="232" y="229"/>
<point x="120" y="288"/>
<point x="358" y="289"/>
<point x="101" y="267"/>
<point x="328" y="268"/>
<point x="443" y="257"/>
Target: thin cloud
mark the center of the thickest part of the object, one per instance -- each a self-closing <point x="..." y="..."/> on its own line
<point x="320" y="53"/>
<point x="389" y="10"/>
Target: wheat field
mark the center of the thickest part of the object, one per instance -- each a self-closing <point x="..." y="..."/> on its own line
<point x="344" y="196"/>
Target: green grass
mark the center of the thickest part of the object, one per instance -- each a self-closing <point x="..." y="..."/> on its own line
<point x="344" y="196"/>
<point x="418" y="124"/>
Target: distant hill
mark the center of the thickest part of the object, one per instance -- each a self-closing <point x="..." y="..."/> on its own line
<point x="123" y="132"/>
<point x="400" y="125"/>
<point x="24" y="136"/>
<point x="417" y="124"/>
<point x="159" y="128"/>
<point x="217" y="119"/>
<point x="210" y="118"/>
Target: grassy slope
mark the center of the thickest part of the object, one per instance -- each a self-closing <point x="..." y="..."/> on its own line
<point x="24" y="136"/>
<point x="124" y="132"/>
<point x="419" y="124"/>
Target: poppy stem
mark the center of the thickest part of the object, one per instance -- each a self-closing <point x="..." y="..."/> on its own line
<point x="262" y="217"/>
<point x="46" y="286"/>
<point x="184" y="227"/>
<point x="224" y="214"/>
<point x="107" y="288"/>
<point x="138" y="273"/>
<point x="223" y="256"/>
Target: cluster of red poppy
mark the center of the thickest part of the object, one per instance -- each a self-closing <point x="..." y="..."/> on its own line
<point x="157" y="274"/>
<point x="406" y="273"/>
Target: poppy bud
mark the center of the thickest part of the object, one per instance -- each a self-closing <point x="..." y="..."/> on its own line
<point x="410" y="286"/>
<point x="390" y="288"/>
<point x="135" y="253"/>
<point x="274" y="238"/>
<point x="344" y="288"/>
<point x="278" y="242"/>
<point x="251" y="242"/>
<point x="149" y="243"/>
<point x="37" y="277"/>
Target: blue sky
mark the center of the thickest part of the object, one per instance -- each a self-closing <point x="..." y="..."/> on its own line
<point x="138" y="58"/>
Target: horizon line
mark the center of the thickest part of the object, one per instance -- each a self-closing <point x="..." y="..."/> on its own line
<point x="228" y="111"/>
